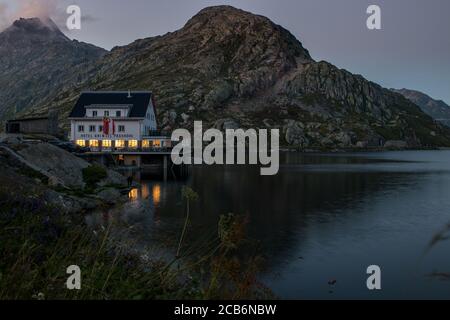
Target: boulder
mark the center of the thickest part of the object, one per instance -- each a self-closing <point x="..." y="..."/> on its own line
<point x="172" y="116"/>
<point x="56" y="162"/>
<point x="113" y="178"/>
<point x="110" y="195"/>
<point x="185" y="117"/>
<point x="362" y="144"/>
<point x="344" y="139"/>
<point x="294" y="134"/>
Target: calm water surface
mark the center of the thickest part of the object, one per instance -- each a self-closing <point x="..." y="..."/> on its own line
<point x="323" y="217"/>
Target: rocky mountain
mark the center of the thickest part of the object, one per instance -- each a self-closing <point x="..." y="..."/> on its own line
<point x="231" y="68"/>
<point x="437" y="109"/>
<point x="36" y="58"/>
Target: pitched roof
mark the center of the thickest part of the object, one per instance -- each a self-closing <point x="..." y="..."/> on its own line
<point x="139" y="101"/>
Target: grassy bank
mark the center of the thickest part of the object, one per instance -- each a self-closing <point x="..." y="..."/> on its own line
<point x="38" y="242"/>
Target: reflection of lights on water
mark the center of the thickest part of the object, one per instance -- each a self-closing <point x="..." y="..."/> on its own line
<point x="145" y="191"/>
<point x="156" y="194"/>
<point x="133" y="194"/>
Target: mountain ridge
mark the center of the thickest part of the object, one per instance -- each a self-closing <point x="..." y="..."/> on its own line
<point x="36" y="56"/>
<point x="437" y="109"/>
<point x="231" y="68"/>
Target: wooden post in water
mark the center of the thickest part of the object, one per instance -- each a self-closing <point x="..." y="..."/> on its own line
<point x="165" y="167"/>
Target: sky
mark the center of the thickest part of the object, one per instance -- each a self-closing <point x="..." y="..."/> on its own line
<point x="412" y="50"/>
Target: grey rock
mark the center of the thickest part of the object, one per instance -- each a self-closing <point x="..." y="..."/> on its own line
<point x="224" y="124"/>
<point x="295" y="135"/>
<point x="56" y="162"/>
<point x="362" y="144"/>
<point x="113" y="178"/>
<point x="110" y="195"/>
<point x="218" y="95"/>
<point x="185" y="117"/>
<point x="396" y="144"/>
<point x="344" y="139"/>
<point x="172" y="116"/>
<point x="268" y="123"/>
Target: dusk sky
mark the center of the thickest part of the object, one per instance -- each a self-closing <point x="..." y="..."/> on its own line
<point x="412" y="50"/>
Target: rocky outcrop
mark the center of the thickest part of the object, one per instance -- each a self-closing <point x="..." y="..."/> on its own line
<point x="59" y="166"/>
<point x="295" y="135"/>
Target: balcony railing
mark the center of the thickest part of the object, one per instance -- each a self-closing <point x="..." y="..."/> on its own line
<point x="158" y="133"/>
<point x="130" y="149"/>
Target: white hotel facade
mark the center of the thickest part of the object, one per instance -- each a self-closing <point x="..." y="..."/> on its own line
<point x="118" y="122"/>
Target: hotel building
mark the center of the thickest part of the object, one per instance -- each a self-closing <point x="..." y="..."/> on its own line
<point x="117" y="122"/>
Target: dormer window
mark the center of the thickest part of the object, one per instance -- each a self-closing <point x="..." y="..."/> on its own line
<point x="106" y="113"/>
<point x="118" y="113"/>
<point x="94" y="113"/>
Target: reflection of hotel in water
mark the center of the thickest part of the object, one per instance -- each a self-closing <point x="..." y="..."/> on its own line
<point x="144" y="192"/>
<point x="116" y="121"/>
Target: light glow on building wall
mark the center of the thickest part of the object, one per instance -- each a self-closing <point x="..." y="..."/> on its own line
<point x="132" y="144"/>
<point x="120" y="143"/>
<point x="93" y="143"/>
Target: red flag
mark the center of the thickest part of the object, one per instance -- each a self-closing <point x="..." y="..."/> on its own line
<point x="105" y="126"/>
<point x="114" y="127"/>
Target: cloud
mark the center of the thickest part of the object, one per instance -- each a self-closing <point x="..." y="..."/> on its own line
<point x="37" y="8"/>
<point x="3" y="16"/>
<point x="53" y="9"/>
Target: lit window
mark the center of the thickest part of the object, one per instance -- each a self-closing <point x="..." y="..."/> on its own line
<point x="145" y="144"/>
<point x="121" y="128"/>
<point x="91" y="128"/>
<point x="93" y="143"/>
<point x="80" y="128"/>
<point x="132" y="143"/>
<point x="120" y="143"/>
<point x="157" y="143"/>
<point x="106" y="113"/>
<point x="81" y="143"/>
<point x="106" y="143"/>
<point x="118" y="114"/>
<point x="94" y="113"/>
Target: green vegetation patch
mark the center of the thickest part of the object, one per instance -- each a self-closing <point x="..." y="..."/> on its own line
<point x="93" y="175"/>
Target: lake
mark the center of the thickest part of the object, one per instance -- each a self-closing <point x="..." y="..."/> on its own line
<point x="322" y="218"/>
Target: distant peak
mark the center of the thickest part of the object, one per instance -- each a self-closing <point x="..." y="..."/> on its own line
<point x="225" y="11"/>
<point x="36" y="26"/>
